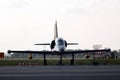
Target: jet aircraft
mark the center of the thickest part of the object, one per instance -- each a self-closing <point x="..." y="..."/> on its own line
<point x="58" y="47"/>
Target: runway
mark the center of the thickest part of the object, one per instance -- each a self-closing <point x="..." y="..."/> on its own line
<point x="81" y="72"/>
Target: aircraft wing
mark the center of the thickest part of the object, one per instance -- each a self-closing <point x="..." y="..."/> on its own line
<point x="86" y="51"/>
<point x="29" y="52"/>
<point x="56" y="52"/>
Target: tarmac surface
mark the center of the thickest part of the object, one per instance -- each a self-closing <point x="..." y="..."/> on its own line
<point x="81" y="72"/>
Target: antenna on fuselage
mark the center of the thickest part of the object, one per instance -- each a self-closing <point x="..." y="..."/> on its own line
<point x="55" y="31"/>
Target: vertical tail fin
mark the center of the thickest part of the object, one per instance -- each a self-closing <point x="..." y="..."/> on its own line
<point x="55" y="30"/>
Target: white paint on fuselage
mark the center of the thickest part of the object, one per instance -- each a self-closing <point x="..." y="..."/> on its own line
<point x="59" y="44"/>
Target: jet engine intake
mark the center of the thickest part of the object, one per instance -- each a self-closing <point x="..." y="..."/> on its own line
<point x="52" y="45"/>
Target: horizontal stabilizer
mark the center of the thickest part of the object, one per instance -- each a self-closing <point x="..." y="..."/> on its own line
<point x="43" y="44"/>
<point x="72" y="43"/>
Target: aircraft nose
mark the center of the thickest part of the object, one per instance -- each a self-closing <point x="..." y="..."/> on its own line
<point x="61" y="49"/>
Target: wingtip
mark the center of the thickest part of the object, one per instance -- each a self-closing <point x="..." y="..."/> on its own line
<point x="9" y="51"/>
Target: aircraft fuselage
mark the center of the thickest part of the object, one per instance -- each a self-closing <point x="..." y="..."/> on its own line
<point x="59" y="45"/>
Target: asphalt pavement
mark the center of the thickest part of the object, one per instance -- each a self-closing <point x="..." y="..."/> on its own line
<point x="81" y="72"/>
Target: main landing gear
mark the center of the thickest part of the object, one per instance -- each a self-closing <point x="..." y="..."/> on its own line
<point x="60" y="62"/>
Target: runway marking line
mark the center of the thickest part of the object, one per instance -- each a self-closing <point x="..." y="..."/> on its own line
<point x="62" y="75"/>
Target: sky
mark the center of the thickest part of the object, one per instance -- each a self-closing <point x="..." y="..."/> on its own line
<point x="87" y="22"/>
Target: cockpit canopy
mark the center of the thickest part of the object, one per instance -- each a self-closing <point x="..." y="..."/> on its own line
<point x="60" y="41"/>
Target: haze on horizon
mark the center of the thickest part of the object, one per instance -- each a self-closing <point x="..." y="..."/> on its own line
<point x="26" y="22"/>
